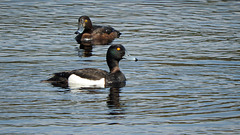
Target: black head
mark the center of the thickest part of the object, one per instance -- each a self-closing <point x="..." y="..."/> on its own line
<point x="84" y="22"/>
<point x="115" y="52"/>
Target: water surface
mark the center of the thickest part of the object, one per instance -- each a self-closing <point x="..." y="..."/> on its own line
<point x="186" y="81"/>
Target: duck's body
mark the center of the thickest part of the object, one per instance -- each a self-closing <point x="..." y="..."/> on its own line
<point x="91" y="77"/>
<point x="88" y="77"/>
<point x="94" y="34"/>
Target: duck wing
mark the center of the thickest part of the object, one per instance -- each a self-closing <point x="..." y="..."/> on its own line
<point x="104" y="29"/>
<point x="90" y="73"/>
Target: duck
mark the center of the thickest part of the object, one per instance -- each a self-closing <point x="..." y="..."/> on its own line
<point x="94" y="34"/>
<point x="93" y="77"/>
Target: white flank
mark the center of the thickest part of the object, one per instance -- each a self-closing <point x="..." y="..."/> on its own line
<point x="75" y="82"/>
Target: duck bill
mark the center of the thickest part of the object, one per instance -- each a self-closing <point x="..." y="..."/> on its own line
<point x="80" y="29"/>
<point x="129" y="57"/>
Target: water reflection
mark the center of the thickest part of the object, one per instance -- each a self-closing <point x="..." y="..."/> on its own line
<point x="113" y="99"/>
<point x="85" y="50"/>
<point x="187" y="82"/>
<point x="113" y="102"/>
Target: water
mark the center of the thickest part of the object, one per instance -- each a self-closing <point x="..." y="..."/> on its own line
<point x="186" y="80"/>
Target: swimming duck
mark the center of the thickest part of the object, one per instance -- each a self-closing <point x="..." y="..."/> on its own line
<point x="94" y="34"/>
<point x="92" y="77"/>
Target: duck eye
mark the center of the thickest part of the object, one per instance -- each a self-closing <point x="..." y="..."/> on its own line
<point x="85" y="20"/>
<point x="118" y="48"/>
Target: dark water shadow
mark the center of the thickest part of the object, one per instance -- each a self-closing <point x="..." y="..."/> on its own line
<point x="85" y="50"/>
<point x="113" y="101"/>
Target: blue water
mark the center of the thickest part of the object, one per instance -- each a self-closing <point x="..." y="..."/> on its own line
<point x="186" y="80"/>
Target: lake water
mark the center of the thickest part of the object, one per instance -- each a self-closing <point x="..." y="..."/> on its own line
<point x="187" y="79"/>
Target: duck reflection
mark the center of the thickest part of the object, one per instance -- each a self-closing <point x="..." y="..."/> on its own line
<point x="113" y="101"/>
<point x="85" y="50"/>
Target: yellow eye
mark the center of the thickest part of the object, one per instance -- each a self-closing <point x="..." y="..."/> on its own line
<point x="85" y="20"/>
<point x="118" y="48"/>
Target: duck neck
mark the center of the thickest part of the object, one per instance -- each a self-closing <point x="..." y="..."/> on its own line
<point x="113" y="65"/>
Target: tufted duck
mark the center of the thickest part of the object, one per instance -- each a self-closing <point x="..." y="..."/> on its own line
<point x="94" y="34"/>
<point x="91" y="77"/>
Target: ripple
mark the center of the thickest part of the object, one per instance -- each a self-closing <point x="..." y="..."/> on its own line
<point x="186" y="80"/>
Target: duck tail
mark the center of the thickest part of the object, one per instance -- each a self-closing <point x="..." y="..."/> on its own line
<point x="119" y="33"/>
